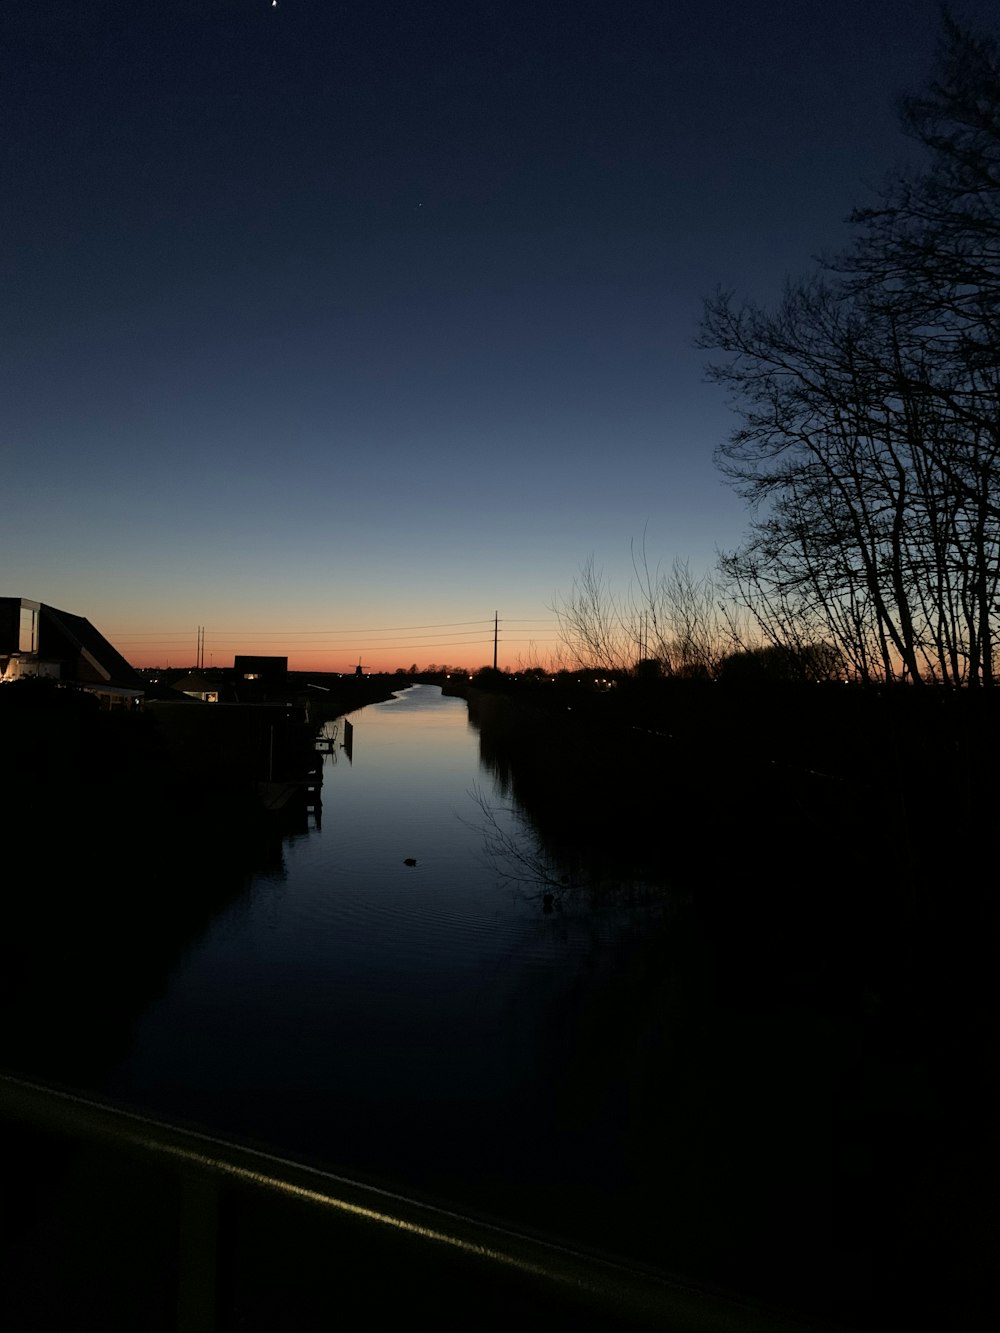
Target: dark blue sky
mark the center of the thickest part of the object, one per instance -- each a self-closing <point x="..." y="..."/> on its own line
<point x="350" y="317"/>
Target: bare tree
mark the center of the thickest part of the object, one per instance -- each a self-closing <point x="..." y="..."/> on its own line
<point x="595" y="630"/>
<point x="686" y="626"/>
<point x="869" y="444"/>
<point x="676" y="620"/>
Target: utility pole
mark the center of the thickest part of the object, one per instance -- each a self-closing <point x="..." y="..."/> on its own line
<point x="496" y="627"/>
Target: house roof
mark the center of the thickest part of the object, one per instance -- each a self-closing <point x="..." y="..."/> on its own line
<point x="63" y="636"/>
<point x="194" y="680"/>
<point x="93" y="646"/>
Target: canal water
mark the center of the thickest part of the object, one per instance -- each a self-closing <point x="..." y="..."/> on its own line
<point x="697" y="1076"/>
<point x="428" y="1027"/>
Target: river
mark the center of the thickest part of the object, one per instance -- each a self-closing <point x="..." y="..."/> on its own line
<point x="722" y="1078"/>
<point x="418" y="1025"/>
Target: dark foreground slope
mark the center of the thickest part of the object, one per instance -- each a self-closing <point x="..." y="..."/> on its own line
<point x="819" y="1051"/>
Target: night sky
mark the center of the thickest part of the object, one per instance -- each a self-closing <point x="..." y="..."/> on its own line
<point x="336" y="327"/>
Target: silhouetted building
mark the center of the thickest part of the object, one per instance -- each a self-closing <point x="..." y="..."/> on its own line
<point x="259" y="678"/>
<point x="270" y="670"/>
<point x="38" y="640"/>
<point x="197" y="686"/>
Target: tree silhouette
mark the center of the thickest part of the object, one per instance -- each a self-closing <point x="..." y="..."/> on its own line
<point x="869" y="444"/>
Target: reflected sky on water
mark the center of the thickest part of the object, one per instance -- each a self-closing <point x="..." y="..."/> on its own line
<point x="409" y="1023"/>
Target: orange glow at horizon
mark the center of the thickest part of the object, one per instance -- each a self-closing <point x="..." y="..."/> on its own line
<point x="175" y="654"/>
<point x="327" y="662"/>
<point x="398" y="644"/>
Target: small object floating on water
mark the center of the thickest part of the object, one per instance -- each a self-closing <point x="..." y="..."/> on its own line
<point x="410" y="861"/>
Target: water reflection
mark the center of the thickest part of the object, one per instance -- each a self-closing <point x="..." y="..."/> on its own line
<point x="387" y="1004"/>
<point x="700" y="1082"/>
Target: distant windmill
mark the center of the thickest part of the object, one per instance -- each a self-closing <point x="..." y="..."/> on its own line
<point x="359" y="669"/>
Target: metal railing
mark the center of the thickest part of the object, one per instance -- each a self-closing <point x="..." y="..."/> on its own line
<point x="208" y="1165"/>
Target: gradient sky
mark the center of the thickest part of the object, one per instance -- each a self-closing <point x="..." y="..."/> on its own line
<point x="335" y="327"/>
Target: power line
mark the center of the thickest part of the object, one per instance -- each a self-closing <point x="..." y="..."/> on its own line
<point x="339" y="643"/>
<point x="228" y="635"/>
<point x="284" y="634"/>
<point x="350" y="650"/>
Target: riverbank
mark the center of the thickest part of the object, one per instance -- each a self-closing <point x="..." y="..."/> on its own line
<point x="775" y="1076"/>
<point x="830" y="845"/>
<point x="131" y="832"/>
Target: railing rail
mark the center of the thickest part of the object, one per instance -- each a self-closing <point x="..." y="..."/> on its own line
<point x="206" y="1163"/>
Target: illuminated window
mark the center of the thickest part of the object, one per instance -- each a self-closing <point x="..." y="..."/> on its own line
<point x="28" y="637"/>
